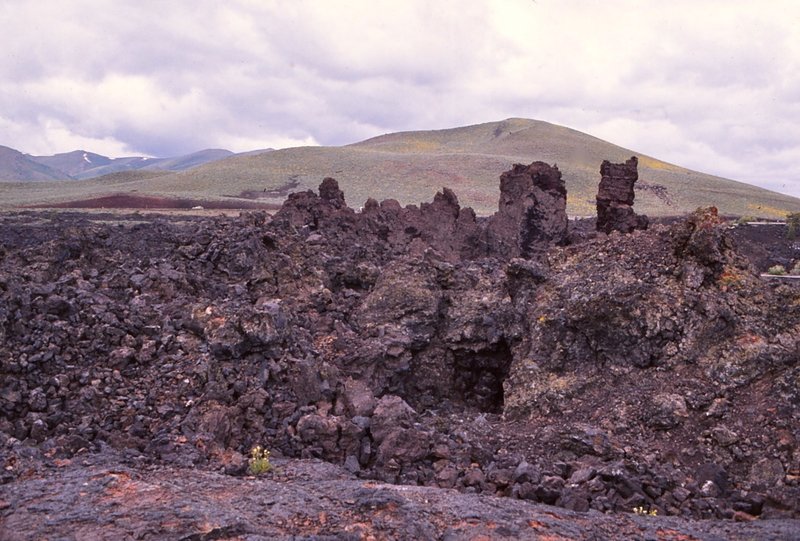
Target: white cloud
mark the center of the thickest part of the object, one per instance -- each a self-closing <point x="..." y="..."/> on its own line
<point x="58" y="137"/>
<point x="708" y="84"/>
<point x="51" y="136"/>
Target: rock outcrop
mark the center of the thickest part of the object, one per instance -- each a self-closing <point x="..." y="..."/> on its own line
<point x="531" y="217"/>
<point x="615" y="198"/>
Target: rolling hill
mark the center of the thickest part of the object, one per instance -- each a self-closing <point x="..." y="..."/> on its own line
<point x="412" y="166"/>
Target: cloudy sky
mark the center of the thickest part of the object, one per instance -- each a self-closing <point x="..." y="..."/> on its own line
<point x="711" y="85"/>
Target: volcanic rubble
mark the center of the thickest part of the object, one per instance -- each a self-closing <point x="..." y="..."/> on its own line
<point x="416" y="372"/>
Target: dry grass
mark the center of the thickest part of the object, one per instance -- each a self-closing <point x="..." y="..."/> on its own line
<point x="645" y="162"/>
<point x="767" y="211"/>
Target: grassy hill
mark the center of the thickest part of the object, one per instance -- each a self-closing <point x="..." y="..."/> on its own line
<point x="412" y="166"/>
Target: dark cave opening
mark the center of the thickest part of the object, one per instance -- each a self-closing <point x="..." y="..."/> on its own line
<point x="478" y="376"/>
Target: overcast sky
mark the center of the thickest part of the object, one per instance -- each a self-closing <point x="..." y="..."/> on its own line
<point x="710" y="85"/>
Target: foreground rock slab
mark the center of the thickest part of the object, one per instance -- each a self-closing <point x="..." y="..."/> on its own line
<point x="98" y="497"/>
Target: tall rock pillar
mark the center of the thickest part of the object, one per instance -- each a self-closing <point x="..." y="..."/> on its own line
<point x="532" y="211"/>
<point x="615" y="198"/>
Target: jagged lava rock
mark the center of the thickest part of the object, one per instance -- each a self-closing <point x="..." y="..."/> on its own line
<point x="400" y="343"/>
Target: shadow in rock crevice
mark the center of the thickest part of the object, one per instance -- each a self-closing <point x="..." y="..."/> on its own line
<point x="478" y="377"/>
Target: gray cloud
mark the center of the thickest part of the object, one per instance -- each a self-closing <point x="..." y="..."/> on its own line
<point x="711" y="85"/>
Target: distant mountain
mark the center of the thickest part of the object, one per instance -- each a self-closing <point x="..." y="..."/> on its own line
<point x="81" y="164"/>
<point x="117" y="165"/>
<point x="73" y="163"/>
<point x="177" y="163"/>
<point x="15" y="165"/>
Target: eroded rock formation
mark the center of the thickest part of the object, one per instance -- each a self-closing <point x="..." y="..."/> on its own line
<point x="615" y="198"/>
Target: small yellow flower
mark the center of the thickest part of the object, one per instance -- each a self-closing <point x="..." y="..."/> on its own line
<point x="259" y="460"/>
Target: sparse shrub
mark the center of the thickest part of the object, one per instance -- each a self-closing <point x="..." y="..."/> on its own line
<point x="744" y="219"/>
<point x="646" y="512"/>
<point x="259" y="461"/>
<point x="795" y="269"/>
<point x="777" y="270"/>
<point x="792" y="225"/>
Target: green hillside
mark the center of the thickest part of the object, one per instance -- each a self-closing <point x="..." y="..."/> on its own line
<point x="412" y="166"/>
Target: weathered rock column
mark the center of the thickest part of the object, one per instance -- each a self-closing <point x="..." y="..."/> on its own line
<point x="532" y="211"/>
<point x="615" y="198"/>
